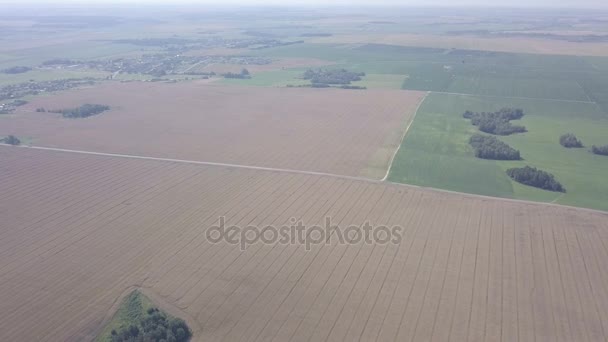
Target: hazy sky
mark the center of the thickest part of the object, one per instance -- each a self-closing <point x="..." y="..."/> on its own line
<point x="417" y="3"/>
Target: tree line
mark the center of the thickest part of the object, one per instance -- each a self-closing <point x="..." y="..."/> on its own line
<point x="498" y="123"/>
<point x="244" y="74"/>
<point x="534" y="177"/>
<point x="488" y="147"/>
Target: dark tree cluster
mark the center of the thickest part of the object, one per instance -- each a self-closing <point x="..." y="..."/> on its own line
<point x="352" y="87"/>
<point x="154" y="327"/>
<point x="16" y="70"/>
<point x="498" y="123"/>
<point x="534" y="177"/>
<point x="569" y="140"/>
<point x="488" y="147"/>
<point x="244" y="74"/>
<point x="12" y="140"/>
<point x="59" y="61"/>
<point x="316" y="35"/>
<point x="601" y="150"/>
<point x="324" y="85"/>
<point x="334" y="76"/>
<point x="83" y="111"/>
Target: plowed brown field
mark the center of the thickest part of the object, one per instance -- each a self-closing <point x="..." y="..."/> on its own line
<point x="346" y="132"/>
<point x="78" y="231"/>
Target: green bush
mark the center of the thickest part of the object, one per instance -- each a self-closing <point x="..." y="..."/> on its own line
<point x="337" y="76"/>
<point x="569" y="140"/>
<point x="496" y="122"/>
<point x="601" y="150"/>
<point x="12" y="140"/>
<point x="84" y="111"/>
<point x="534" y="177"/>
<point x="488" y="147"/>
<point x="155" y="326"/>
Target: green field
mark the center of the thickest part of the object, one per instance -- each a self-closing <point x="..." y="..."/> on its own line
<point x="466" y="71"/>
<point x="436" y="153"/>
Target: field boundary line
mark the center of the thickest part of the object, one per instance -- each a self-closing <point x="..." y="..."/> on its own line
<point x="390" y="164"/>
<point x="311" y="173"/>
<point x="584" y="91"/>
<point x="195" y="162"/>
<point x="516" y="97"/>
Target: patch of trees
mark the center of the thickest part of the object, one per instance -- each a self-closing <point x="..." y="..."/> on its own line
<point x="244" y="74"/>
<point x="488" y="147"/>
<point x="316" y="35"/>
<point x="324" y="85"/>
<point x="569" y="140"/>
<point x="83" y="111"/>
<point x="335" y="76"/>
<point x="601" y="150"/>
<point x="59" y="61"/>
<point x="12" y="140"/>
<point x="16" y="70"/>
<point x="498" y="123"/>
<point x="534" y="177"/>
<point x="155" y="326"/>
<point x="352" y="87"/>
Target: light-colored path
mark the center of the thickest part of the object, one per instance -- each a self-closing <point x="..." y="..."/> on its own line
<point x="302" y="172"/>
<point x="390" y="164"/>
<point x="515" y="97"/>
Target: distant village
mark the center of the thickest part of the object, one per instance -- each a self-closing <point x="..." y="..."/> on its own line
<point x="156" y="65"/>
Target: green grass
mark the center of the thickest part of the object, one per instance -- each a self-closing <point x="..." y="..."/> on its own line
<point x="518" y="87"/>
<point x="282" y="78"/>
<point x="130" y="312"/>
<point x="436" y="153"/>
<point x="381" y="81"/>
<point x="48" y="75"/>
<point x="279" y="78"/>
<point x="468" y="71"/>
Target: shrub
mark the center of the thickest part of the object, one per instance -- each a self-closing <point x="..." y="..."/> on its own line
<point x="569" y="140"/>
<point x="534" y="177"/>
<point x="601" y="150"/>
<point x="488" y="147"/>
<point x="12" y="140"/>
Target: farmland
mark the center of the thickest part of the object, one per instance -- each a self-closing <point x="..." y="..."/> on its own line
<point x="436" y="151"/>
<point x="338" y="131"/>
<point x="142" y="135"/>
<point x="467" y="267"/>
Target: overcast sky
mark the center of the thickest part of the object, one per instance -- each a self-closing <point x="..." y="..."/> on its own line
<point x="417" y="3"/>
